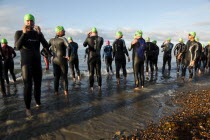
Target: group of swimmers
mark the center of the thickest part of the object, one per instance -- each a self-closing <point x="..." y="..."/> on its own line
<point x="64" y="51"/>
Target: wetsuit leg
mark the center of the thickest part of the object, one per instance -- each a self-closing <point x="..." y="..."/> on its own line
<point x="147" y="64"/>
<point x="124" y="68"/>
<point x="37" y="78"/>
<point x="118" y="67"/>
<point x="107" y="64"/>
<point x="71" y="65"/>
<point x="98" y="72"/>
<point x="155" y="63"/>
<point x="92" y="64"/>
<point x="141" y="73"/>
<point x="57" y="74"/>
<point x="177" y="64"/>
<point x="164" y="64"/>
<point x="151" y="61"/>
<point x="27" y="80"/>
<point x="136" y="71"/>
<point x="184" y="67"/>
<point x="190" y="71"/>
<point x="2" y="79"/>
<point x="64" y="72"/>
<point x="6" y="68"/>
<point x="169" y="63"/>
<point x="110" y="63"/>
<point x="11" y="69"/>
<point x="77" y="67"/>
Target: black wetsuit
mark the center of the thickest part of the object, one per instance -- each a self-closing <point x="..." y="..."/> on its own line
<point x="177" y="50"/>
<point x="2" y="56"/>
<point x="108" y="57"/>
<point x="138" y="61"/>
<point x="60" y="64"/>
<point x="198" y="60"/>
<point x="190" y="52"/>
<point x="207" y="51"/>
<point x="29" y="45"/>
<point x="119" y="51"/>
<point x="156" y="57"/>
<point x="94" y="44"/>
<point x="8" y="62"/>
<point x="203" y="58"/>
<point x="87" y="53"/>
<point x="74" y="60"/>
<point x="167" y="48"/>
<point x="150" y="53"/>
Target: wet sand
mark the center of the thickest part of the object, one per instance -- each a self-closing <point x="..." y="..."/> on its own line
<point x="84" y="115"/>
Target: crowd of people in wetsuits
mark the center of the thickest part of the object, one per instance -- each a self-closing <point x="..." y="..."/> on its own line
<point x="63" y="51"/>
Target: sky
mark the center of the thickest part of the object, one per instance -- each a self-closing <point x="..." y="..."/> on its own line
<point x="158" y="19"/>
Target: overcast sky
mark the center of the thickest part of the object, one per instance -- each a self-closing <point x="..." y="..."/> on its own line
<point x="158" y="19"/>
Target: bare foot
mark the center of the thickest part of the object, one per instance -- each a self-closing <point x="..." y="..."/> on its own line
<point x="37" y="105"/>
<point x="136" y="88"/>
<point x="190" y="79"/>
<point x="56" y="93"/>
<point x="118" y="81"/>
<point x="142" y="86"/>
<point x="74" y="80"/>
<point x="79" y="79"/>
<point x="199" y="71"/>
<point x="183" y="79"/>
<point x="99" y="87"/>
<point x="147" y="73"/>
<point x="91" y="89"/>
<point x="66" y="93"/>
<point x="28" y="113"/>
<point x="125" y="81"/>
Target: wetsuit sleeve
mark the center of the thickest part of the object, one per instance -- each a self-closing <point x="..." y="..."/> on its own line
<point x="69" y="51"/>
<point x="114" y="48"/>
<point x="125" y="49"/>
<point x="206" y="51"/>
<point x="163" y="45"/>
<point x="86" y="42"/>
<point x="196" y="52"/>
<point x="42" y="52"/>
<point x="101" y="42"/>
<point x="13" y="52"/>
<point x="2" y="53"/>
<point x="103" y="52"/>
<point x="85" y="53"/>
<point x="175" y="49"/>
<point x="19" y="39"/>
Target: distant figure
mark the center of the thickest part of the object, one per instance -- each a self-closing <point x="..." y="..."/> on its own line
<point x="8" y="62"/>
<point x="139" y="46"/>
<point x="60" y="65"/>
<point x="94" y="43"/>
<point x="74" y="60"/>
<point x="107" y="52"/>
<point x="156" y="54"/>
<point x="47" y="58"/>
<point x="119" y="52"/>
<point x="203" y="58"/>
<point x="207" y="50"/>
<point x="167" y="48"/>
<point x="177" y="50"/>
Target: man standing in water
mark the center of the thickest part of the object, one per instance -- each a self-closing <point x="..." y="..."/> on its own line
<point x="108" y="56"/>
<point x="119" y="51"/>
<point x="167" y="48"/>
<point x="28" y="42"/>
<point x="60" y="65"/>
<point x="207" y="50"/>
<point x="138" y="45"/>
<point x="177" y="50"/>
<point x="156" y="55"/>
<point x="189" y="55"/>
<point x="8" y="62"/>
<point x="74" y="60"/>
<point x="94" y="43"/>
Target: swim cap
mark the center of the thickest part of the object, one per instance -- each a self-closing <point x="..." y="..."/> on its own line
<point x="196" y="39"/>
<point x="94" y="30"/>
<point x="119" y="33"/>
<point x="29" y="17"/>
<point x="208" y="42"/>
<point x="168" y="39"/>
<point x="147" y="39"/>
<point x="107" y="42"/>
<point x="181" y="40"/>
<point x="139" y="32"/>
<point x="203" y="45"/>
<point x="193" y="34"/>
<point x="154" y="41"/>
<point x="70" y="38"/>
<point x="59" y="29"/>
<point x="4" y="40"/>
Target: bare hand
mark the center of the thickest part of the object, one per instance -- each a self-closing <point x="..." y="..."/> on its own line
<point x="103" y="60"/>
<point x="179" y="56"/>
<point x="84" y="60"/>
<point x="89" y="34"/>
<point x="134" y="41"/>
<point x="68" y="58"/>
<point x="24" y="29"/>
<point x="38" y="29"/>
<point x="192" y="63"/>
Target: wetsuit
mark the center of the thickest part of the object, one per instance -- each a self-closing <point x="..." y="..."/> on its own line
<point x="8" y="62"/>
<point x="108" y="57"/>
<point x="47" y="58"/>
<point x="190" y="53"/>
<point x="2" y="56"/>
<point x="94" y="44"/>
<point x="167" y="48"/>
<point x="198" y="60"/>
<point x="74" y="60"/>
<point x="29" y="45"/>
<point x="150" y="51"/>
<point x="87" y="53"/>
<point x="177" y="50"/>
<point x="207" y="51"/>
<point x="156" y="53"/>
<point x="138" y="61"/>
<point x="119" y="51"/>
<point x="203" y="58"/>
<point x="60" y="64"/>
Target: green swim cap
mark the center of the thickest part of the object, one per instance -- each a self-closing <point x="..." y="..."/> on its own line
<point x="70" y="38"/>
<point x="29" y="17"/>
<point x="119" y="33"/>
<point x="196" y="39"/>
<point x="59" y="29"/>
<point x="208" y="42"/>
<point x="139" y="32"/>
<point x="147" y="39"/>
<point x="181" y="40"/>
<point x="168" y="39"/>
<point x="4" y="40"/>
<point x="203" y="45"/>
<point x="193" y="34"/>
<point x="154" y="41"/>
<point x="94" y="30"/>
